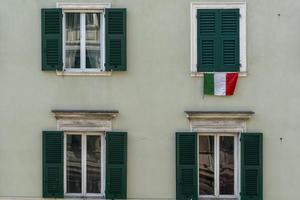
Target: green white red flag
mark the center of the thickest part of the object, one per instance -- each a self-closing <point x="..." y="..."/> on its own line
<point x="220" y="83"/>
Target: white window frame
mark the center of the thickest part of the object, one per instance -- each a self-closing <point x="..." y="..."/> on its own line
<point x="217" y="164"/>
<point x="83" y="8"/>
<point x="218" y="5"/>
<point x="83" y="165"/>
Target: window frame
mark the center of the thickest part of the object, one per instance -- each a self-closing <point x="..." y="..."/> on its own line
<point x="85" y="8"/>
<point x="82" y="41"/>
<point x="217" y="162"/>
<point x="218" y="5"/>
<point x="84" y="135"/>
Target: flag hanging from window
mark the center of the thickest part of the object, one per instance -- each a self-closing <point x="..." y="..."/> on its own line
<point x="220" y="83"/>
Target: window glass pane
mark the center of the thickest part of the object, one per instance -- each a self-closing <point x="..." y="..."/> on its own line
<point x="206" y="165"/>
<point x="93" y="162"/>
<point x="72" y="46"/>
<point x="92" y="40"/>
<point x="74" y="164"/>
<point x="226" y="165"/>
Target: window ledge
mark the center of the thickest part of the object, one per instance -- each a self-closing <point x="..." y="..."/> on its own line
<point x="216" y="198"/>
<point x="200" y="74"/>
<point x="69" y="73"/>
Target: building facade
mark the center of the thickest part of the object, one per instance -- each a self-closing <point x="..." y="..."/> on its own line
<point x="104" y="99"/>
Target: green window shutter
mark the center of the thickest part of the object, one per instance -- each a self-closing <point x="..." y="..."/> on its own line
<point x="116" y="165"/>
<point x="52" y="39"/>
<point x="207" y="40"/>
<point x="53" y="164"/>
<point x="186" y="166"/>
<point x="251" y="166"/>
<point x="115" y="39"/>
<point x="230" y="40"/>
<point x="218" y="44"/>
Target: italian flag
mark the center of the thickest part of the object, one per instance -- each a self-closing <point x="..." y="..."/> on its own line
<point x="220" y="83"/>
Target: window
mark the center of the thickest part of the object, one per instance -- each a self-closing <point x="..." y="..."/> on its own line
<point x="84" y="164"/>
<point x="80" y="38"/>
<point x="84" y="158"/>
<point x="83" y="41"/>
<point x="217" y="164"/>
<point x="218" y="40"/>
<point x="218" y="159"/>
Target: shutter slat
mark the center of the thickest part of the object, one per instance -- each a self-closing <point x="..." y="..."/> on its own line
<point x="116" y="165"/>
<point x="52" y="39"/>
<point x="230" y="40"/>
<point x="186" y="166"/>
<point x="207" y="39"/>
<point x="218" y="45"/>
<point x="53" y="164"/>
<point x="115" y="37"/>
<point x="251" y="166"/>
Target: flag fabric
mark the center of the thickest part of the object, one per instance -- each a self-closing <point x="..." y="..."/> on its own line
<point x="220" y="83"/>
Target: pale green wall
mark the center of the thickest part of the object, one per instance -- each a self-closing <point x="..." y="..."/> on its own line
<point x="152" y="95"/>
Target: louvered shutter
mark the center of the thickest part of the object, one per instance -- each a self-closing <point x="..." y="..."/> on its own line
<point x="53" y="164"/>
<point x="52" y="39"/>
<point x="186" y="166"/>
<point x="116" y="165"/>
<point x="115" y="39"/>
<point x="207" y="40"/>
<point x="218" y="40"/>
<point x="251" y="166"/>
<point x="230" y="40"/>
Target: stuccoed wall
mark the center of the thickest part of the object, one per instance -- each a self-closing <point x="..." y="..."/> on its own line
<point x="152" y="95"/>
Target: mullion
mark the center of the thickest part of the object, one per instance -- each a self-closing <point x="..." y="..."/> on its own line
<point x="82" y="41"/>
<point x="217" y="148"/>
<point x="83" y="164"/>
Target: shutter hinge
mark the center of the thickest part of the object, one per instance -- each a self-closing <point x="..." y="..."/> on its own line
<point x="240" y="15"/>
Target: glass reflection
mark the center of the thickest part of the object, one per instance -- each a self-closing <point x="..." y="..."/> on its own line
<point x="74" y="164"/>
<point x="206" y="165"/>
<point x="93" y="162"/>
<point x="92" y="40"/>
<point x="226" y="165"/>
<point x="72" y="57"/>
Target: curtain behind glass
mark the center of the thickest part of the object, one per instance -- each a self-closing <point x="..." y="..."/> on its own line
<point x="93" y="54"/>
<point x="72" y="46"/>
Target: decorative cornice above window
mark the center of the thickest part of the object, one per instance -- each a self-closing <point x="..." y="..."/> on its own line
<point x="85" y="120"/>
<point x="218" y="121"/>
<point x="219" y="114"/>
<point x="84" y="6"/>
